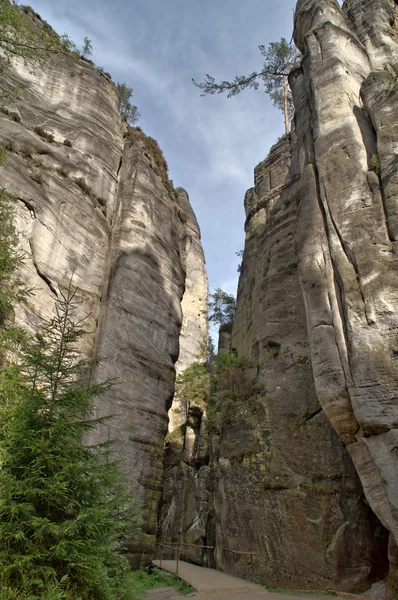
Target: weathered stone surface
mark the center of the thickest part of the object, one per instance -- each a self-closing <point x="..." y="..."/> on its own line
<point x="45" y="179"/>
<point x="183" y="515"/>
<point x="224" y="340"/>
<point x="102" y="212"/>
<point x="316" y="311"/>
<point x="194" y="330"/>
<point x="346" y="119"/>
<point x="139" y="324"/>
<point x="285" y="486"/>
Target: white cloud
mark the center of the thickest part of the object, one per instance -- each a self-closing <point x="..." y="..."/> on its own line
<point x="212" y="144"/>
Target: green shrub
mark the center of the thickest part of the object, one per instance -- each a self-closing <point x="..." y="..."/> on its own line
<point x="375" y="164"/>
<point x="27" y="151"/>
<point x="128" y="110"/>
<point x="44" y="134"/>
<point x="68" y="143"/>
<point x="219" y="387"/>
<point x="195" y="384"/>
<point x="10" y="146"/>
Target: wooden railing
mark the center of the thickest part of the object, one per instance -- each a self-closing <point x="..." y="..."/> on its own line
<point x="175" y="546"/>
<point x="233" y="552"/>
<point x="162" y="545"/>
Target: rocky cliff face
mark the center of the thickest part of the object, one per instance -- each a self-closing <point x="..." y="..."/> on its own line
<point x="95" y="207"/>
<point x="316" y="313"/>
<point x="285" y="485"/>
<point x="345" y="95"/>
<point x="184" y="505"/>
<point x="302" y="467"/>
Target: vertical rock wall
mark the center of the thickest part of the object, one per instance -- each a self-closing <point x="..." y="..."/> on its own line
<point x="345" y="95"/>
<point x="184" y="507"/>
<point x="100" y="210"/>
<point x="285" y="486"/>
<point x="316" y="312"/>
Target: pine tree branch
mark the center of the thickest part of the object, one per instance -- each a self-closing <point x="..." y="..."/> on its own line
<point x="209" y="86"/>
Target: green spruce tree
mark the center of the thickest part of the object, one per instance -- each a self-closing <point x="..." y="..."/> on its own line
<point x="63" y="508"/>
<point x="12" y="289"/>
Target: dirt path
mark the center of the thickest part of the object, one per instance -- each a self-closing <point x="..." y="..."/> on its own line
<point x="210" y="580"/>
<point x="165" y="593"/>
<point x="216" y="585"/>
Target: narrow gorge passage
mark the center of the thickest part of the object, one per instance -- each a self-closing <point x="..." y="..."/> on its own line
<point x="283" y="444"/>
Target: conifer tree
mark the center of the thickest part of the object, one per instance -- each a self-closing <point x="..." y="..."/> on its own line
<point x="279" y="59"/>
<point x="12" y="289"/>
<point x="221" y="307"/>
<point x="63" y="508"/>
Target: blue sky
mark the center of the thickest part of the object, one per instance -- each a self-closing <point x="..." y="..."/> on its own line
<point x="211" y="144"/>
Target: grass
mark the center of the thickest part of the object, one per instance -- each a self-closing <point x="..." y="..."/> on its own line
<point x="136" y="583"/>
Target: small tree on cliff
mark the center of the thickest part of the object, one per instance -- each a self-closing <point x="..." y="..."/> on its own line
<point x="280" y="57"/>
<point x="19" y="37"/>
<point x="128" y="110"/>
<point x="87" y="49"/>
<point x="221" y="307"/>
<point x="62" y="504"/>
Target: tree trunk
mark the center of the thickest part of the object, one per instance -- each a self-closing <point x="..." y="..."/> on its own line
<point x="285" y="104"/>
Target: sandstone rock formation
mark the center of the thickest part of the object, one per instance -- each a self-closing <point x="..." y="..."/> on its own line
<point x="285" y="485"/>
<point x="95" y="205"/>
<point x="184" y="507"/>
<point x="316" y="312"/>
<point x="345" y="94"/>
<point x="316" y="308"/>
